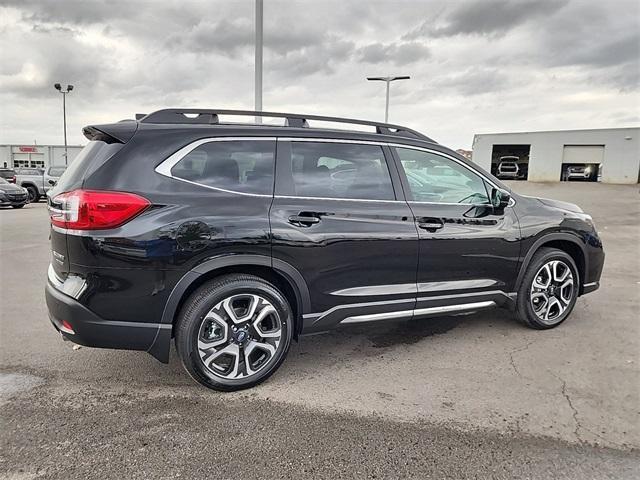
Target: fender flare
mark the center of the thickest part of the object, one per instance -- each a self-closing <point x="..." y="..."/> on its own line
<point x="160" y="346"/>
<point x="550" y="237"/>
<point x="289" y="272"/>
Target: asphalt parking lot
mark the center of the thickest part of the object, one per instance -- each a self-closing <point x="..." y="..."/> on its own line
<point x="459" y="397"/>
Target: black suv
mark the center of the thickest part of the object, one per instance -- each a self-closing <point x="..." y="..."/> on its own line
<point x="235" y="239"/>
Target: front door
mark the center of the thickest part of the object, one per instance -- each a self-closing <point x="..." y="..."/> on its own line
<point x="469" y="251"/>
<point x="339" y="217"/>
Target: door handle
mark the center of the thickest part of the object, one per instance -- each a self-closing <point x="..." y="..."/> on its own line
<point x="304" y="219"/>
<point x="431" y="224"/>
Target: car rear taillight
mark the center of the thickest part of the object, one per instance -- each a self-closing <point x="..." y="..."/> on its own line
<point x="12" y="179"/>
<point x="95" y="209"/>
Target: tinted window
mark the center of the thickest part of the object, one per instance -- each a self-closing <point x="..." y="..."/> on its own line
<point x="433" y="178"/>
<point x="340" y="170"/>
<point x="7" y="173"/>
<point x="242" y="166"/>
<point x="90" y="158"/>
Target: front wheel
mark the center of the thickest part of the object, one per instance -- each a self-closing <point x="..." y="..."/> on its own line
<point x="234" y="332"/>
<point x="549" y="289"/>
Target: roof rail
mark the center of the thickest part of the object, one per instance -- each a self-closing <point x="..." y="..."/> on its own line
<point x="209" y="117"/>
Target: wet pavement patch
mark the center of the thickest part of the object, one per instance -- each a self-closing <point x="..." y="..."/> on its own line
<point x="13" y="383"/>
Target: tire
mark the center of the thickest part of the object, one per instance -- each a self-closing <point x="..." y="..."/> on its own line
<point x="549" y="301"/>
<point x="34" y="196"/>
<point x="17" y="206"/>
<point x="224" y="359"/>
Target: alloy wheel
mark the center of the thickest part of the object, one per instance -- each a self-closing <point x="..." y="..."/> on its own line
<point x="552" y="291"/>
<point x="239" y="336"/>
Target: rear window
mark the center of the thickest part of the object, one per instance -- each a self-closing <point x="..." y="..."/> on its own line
<point x="94" y="155"/>
<point x="237" y="165"/>
<point x="5" y="173"/>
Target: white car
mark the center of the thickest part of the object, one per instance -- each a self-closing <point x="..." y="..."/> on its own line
<point x="508" y="167"/>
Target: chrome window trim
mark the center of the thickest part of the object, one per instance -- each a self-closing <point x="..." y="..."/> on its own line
<point x="164" y="168"/>
<point x="339" y="199"/>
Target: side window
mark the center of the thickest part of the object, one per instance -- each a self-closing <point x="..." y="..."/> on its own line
<point x="242" y="166"/>
<point x="340" y="170"/>
<point x="437" y="179"/>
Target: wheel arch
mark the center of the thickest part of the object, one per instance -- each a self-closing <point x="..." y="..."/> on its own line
<point x="29" y="183"/>
<point x="566" y="242"/>
<point x="280" y="273"/>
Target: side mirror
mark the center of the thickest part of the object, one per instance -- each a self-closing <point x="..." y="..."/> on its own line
<point x="500" y="198"/>
<point x="52" y="182"/>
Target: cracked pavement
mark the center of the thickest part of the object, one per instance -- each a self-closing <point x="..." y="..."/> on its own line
<point x="455" y="397"/>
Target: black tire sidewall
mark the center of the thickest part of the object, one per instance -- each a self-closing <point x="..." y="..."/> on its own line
<point x="33" y="194"/>
<point x="205" y="299"/>
<point x="525" y="310"/>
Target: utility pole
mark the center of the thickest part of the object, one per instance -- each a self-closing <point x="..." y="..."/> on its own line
<point x="64" y="116"/>
<point x="258" y="59"/>
<point x="388" y="80"/>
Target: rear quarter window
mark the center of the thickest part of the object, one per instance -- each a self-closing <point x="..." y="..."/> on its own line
<point x="245" y="166"/>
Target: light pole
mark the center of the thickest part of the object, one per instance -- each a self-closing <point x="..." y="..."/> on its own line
<point x="64" y="115"/>
<point x="388" y="80"/>
<point x="258" y="59"/>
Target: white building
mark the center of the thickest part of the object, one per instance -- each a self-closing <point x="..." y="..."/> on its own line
<point x="36" y="156"/>
<point x="546" y="155"/>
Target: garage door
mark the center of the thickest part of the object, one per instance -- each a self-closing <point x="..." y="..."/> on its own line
<point x="583" y="154"/>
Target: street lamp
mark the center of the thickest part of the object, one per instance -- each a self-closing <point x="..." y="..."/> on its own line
<point x="258" y="59"/>
<point x="64" y="114"/>
<point x="388" y="80"/>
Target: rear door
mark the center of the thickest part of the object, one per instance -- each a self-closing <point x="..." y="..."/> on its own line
<point x="340" y="218"/>
<point x="468" y="250"/>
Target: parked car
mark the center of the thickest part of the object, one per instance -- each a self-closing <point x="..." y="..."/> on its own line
<point x="9" y="174"/>
<point x="581" y="172"/>
<point x="12" y="195"/>
<point x="235" y="240"/>
<point x="33" y="180"/>
<point x="508" y="167"/>
<point x="52" y="175"/>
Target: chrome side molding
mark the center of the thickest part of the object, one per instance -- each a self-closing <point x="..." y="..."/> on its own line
<point x="419" y="312"/>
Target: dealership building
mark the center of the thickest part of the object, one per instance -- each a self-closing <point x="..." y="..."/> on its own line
<point x="36" y="156"/>
<point x="612" y="154"/>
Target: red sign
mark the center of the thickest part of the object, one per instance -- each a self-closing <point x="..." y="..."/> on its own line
<point x="28" y="149"/>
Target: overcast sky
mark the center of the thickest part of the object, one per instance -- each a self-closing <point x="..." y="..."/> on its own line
<point x="475" y="66"/>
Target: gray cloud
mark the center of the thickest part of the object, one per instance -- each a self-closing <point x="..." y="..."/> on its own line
<point x="473" y="65"/>
<point x="490" y="17"/>
<point x="401" y="53"/>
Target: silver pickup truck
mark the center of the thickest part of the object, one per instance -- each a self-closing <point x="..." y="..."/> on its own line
<point x="37" y="181"/>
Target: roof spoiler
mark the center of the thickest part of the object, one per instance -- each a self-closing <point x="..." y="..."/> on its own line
<point x="120" y="132"/>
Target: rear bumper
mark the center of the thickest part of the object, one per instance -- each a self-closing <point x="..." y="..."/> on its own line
<point x="93" y="331"/>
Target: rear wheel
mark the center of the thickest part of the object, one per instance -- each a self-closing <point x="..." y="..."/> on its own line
<point x="549" y="289"/>
<point x="34" y="196"/>
<point x="234" y="332"/>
